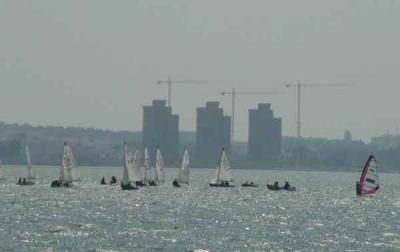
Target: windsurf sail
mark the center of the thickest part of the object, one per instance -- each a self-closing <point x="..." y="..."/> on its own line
<point x="29" y="163"/>
<point x="125" y="175"/>
<point x="147" y="166"/>
<point x="159" y="175"/>
<point x="184" y="173"/>
<point x="223" y="170"/>
<point x="369" y="180"/>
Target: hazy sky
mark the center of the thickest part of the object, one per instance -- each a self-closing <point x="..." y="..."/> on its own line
<point x="95" y="63"/>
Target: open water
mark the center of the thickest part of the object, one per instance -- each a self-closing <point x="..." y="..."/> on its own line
<point x="323" y="215"/>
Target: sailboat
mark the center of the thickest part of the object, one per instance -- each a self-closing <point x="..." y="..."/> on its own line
<point x="369" y="180"/>
<point x="184" y="172"/>
<point x="159" y="174"/>
<point x="147" y="173"/>
<point x="30" y="180"/>
<point x="222" y="175"/>
<point x="135" y="171"/>
<point x="65" y="178"/>
<point x="125" y="182"/>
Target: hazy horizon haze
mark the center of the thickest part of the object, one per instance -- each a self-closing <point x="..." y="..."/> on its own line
<point x="96" y="63"/>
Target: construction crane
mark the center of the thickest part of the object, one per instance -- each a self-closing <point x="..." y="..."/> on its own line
<point x="170" y="82"/>
<point x="233" y="94"/>
<point x="299" y="85"/>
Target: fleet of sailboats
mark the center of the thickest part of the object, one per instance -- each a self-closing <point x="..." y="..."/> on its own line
<point x="134" y="175"/>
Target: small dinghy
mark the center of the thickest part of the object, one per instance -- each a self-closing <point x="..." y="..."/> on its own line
<point x="65" y="178"/>
<point x="30" y="180"/>
<point x="223" y="172"/>
<point x="251" y="184"/>
<point x="184" y="172"/>
<point x="125" y="182"/>
<point x="159" y="174"/>
<point x="286" y="187"/>
<point x="147" y="166"/>
<point x="369" y="180"/>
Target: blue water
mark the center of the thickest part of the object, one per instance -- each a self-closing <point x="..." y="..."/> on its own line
<point x="323" y="215"/>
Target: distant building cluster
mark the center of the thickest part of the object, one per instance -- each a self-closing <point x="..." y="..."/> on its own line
<point x="213" y="132"/>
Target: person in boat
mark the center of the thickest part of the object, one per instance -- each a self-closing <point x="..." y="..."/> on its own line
<point x="176" y="183"/>
<point x="55" y="183"/>
<point x="276" y="184"/>
<point x="358" y="188"/>
<point x="24" y="181"/>
<point x="19" y="181"/>
<point x="287" y="186"/>
<point x="113" y="180"/>
<point x="103" y="181"/>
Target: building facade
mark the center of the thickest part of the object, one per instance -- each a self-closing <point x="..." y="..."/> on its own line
<point x="161" y="128"/>
<point x="213" y="132"/>
<point x="265" y="133"/>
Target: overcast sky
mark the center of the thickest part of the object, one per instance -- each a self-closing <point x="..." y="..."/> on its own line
<point x="95" y="63"/>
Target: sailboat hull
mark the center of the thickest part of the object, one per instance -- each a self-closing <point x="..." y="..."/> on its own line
<point x="220" y="185"/>
<point x="128" y="187"/>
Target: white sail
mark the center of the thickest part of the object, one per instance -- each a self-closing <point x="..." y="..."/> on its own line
<point x="223" y="170"/>
<point x="75" y="174"/>
<point x="184" y="173"/>
<point x="159" y="175"/>
<point x="29" y="163"/>
<point x="66" y="166"/>
<point x="125" y="175"/>
<point x="135" y="172"/>
<point x="147" y="166"/>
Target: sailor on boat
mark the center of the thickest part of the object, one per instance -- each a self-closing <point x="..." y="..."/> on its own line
<point x="369" y="179"/>
<point x="247" y="184"/>
<point x="103" y="181"/>
<point x="19" y="181"/>
<point x="113" y="180"/>
<point x="176" y="183"/>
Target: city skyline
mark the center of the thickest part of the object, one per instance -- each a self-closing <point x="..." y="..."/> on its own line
<point x="80" y="77"/>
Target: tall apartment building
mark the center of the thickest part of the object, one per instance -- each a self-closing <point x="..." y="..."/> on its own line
<point x="161" y="128"/>
<point x="265" y="133"/>
<point x="212" y="133"/>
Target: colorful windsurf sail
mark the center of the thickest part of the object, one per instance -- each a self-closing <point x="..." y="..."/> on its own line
<point x="369" y="180"/>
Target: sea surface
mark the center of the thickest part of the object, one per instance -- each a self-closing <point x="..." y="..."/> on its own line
<point x="323" y="215"/>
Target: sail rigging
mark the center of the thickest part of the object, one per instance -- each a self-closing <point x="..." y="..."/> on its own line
<point x="29" y="163"/>
<point x="125" y="175"/>
<point x="223" y="170"/>
<point x="159" y="174"/>
<point x="66" y="166"/>
<point x="135" y="172"/>
<point x="369" y="180"/>
<point x="184" y="172"/>
<point x="147" y="166"/>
